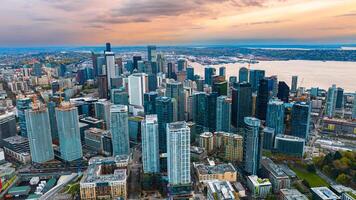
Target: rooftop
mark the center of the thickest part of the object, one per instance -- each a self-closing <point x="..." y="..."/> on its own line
<point x="273" y="168"/>
<point x="177" y="125"/>
<point x="259" y="181"/>
<point x="290" y="138"/>
<point x="222" y="188"/>
<point x="216" y="169"/>
<point x="293" y="194"/>
<point x="17" y="139"/>
<point x="325" y="193"/>
<point x="206" y="134"/>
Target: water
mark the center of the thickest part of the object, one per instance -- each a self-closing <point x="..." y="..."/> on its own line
<point x="310" y="73"/>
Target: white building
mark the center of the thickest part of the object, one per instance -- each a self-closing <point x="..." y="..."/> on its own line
<point x="110" y="67"/>
<point x="259" y="187"/>
<point x="137" y="87"/>
<point x="221" y="190"/>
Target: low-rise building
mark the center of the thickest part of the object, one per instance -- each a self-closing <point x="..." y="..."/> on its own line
<point x="18" y="148"/>
<point x="206" y="141"/>
<point x="222" y="172"/>
<point x="348" y="195"/>
<point x="339" y="126"/>
<point x="105" y="178"/>
<point x="259" y="187"/>
<point x="323" y="193"/>
<point x="279" y="179"/>
<point x="289" y="145"/>
<point x="94" y="139"/>
<point x="291" y="194"/>
<point x="221" y="190"/>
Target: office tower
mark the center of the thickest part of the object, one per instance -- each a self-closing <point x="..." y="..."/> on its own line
<point x="175" y="91"/>
<point x="55" y="87"/>
<point x="119" y="96"/>
<point x="152" y="82"/>
<point x="135" y="60"/>
<point x="331" y="101"/>
<point x="7" y="125"/>
<point x="178" y="152"/>
<point x="290" y="145"/>
<point x="102" y="111"/>
<point x="300" y="120"/>
<point x="108" y="47"/>
<point x="211" y="101"/>
<point x="274" y="83"/>
<point x="354" y="107"/>
<point x="294" y="84"/>
<point x="160" y="62"/>
<point x="37" y="69"/>
<point x="135" y="128"/>
<point x="164" y="110"/>
<point x="222" y="71"/>
<point x="263" y="96"/>
<point x="255" y="77"/>
<point x="52" y="119"/>
<point x="241" y="103"/>
<point x="94" y="59"/>
<point x="39" y="134"/>
<point x="220" y="86"/>
<point x="150" y="144"/>
<point x="339" y="99"/>
<point x="200" y="84"/>
<point x="101" y="65"/>
<point x="103" y="86"/>
<point x="223" y="114"/>
<point x="190" y="73"/>
<point x="110" y="67"/>
<point x="141" y="66"/>
<point x="283" y="91"/>
<point x="182" y="64"/>
<point x="170" y="70"/>
<point x="200" y="110"/>
<point x="253" y="140"/>
<point x="275" y="115"/>
<point x="243" y="74"/>
<point x="151" y="53"/>
<point x="68" y="132"/>
<point x="137" y="87"/>
<point x="209" y="72"/>
<point x="149" y="102"/>
<point x="119" y="127"/>
<point x="268" y="138"/>
<point x="22" y="105"/>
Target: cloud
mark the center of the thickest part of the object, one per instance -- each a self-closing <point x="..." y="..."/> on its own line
<point x="350" y="14"/>
<point x="69" y="5"/>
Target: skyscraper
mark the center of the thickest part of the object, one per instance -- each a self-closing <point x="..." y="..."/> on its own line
<point x="339" y="99"/>
<point x="37" y="69"/>
<point x="119" y="96"/>
<point x="150" y="102"/>
<point x="175" y="91"/>
<point x="220" y="86"/>
<point x="150" y="144"/>
<point x="300" y="121"/>
<point x="135" y="60"/>
<point x="354" y="107"/>
<point x="275" y="115"/>
<point x="7" y="125"/>
<point x="164" y="110"/>
<point x="223" y="114"/>
<point x="111" y="71"/>
<point x="151" y="53"/>
<point x="102" y="111"/>
<point x="211" y="101"/>
<point x="200" y="110"/>
<point x="241" y="103"/>
<point x="263" y="96"/>
<point x="68" y="132"/>
<point x="52" y="119"/>
<point x="243" y="74"/>
<point x="119" y="127"/>
<point x="108" y="47"/>
<point x="22" y="105"/>
<point x="137" y="87"/>
<point x="294" y="84"/>
<point x="209" y="72"/>
<point x="182" y="64"/>
<point x="331" y="101"/>
<point x="190" y="73"/>
<point x="253" y="140"/>
<point x="283" y="91"/>
<point x="178" y="152"/>
<point x="255" y="77"/>
<point x="103" y="86"/>
<point x="222" y="71"/>
<point x="40" y="139"/>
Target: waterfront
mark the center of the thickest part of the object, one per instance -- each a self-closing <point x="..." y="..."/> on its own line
<point x="311" y="73"/>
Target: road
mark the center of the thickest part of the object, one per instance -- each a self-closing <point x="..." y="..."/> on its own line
<point x="134" y="181"/>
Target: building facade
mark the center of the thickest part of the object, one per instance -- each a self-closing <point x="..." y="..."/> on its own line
<point x="150" y="144"/>
<point x="119" y="127"/>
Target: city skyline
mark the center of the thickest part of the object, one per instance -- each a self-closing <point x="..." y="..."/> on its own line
<point x="91" y="22"/>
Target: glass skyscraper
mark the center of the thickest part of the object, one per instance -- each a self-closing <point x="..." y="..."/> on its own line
<point x="151" y="53"/>
<point x="223" y="114"/>
<point x="119" y="96"/>
<point x="190" y="73"/>
<point x="243" y="74"/>
<point x="39" y="134"/>
<point x="178" y="153"/>
<point x="264" y="93"/>
<point x="222" y="71"/>
<point x="255" y="77"/>
<point x="22" y="105"/>
<point x="211" y="105"/>
<point x="283" y="91"/>
<point x="294" y="84"/>
<point x="200" y="110"/>
<point x="209" y="72"/>
<point x="300" y="120"/>
<point x="149" y="102"/>
<point x="241" y="103"/>
<point x="175" y="91"/>
<point x="354" y="107"/>
<point x="102" y="111"/>
<point x="150" y="144"/>
<point x="68" y="132"/>
<point x="331" y="101"/>
<point x="164" y="110"/>
<point x="119" y="127"/>
<point x="339" y="105"/>
<point x="252" y="145"/>
<point x="52" y="119"/>
<point x="275" y="115"/>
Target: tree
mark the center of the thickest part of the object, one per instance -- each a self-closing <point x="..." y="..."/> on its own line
<point x="311" y="168"/>
<point x="343" y="179"/>
<point x="337" y="155"/>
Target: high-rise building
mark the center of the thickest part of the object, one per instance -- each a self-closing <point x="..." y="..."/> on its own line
<point x="108" y="47"/>
<point x="103" y="86"/>
<point x="150" y="144"/>
<point x="102" y="111"/>
<point x="294" y="84"/>
<point x="182" y="64"/>
<point x="283" y="91"/>
<point x="211" y="105"/>
<point x="40" y="139"/>
<point x="268" y="138"/>
<point x="37" y="69"/>
<point x="241" y="103"/>
<point x="22" y="105"/>
<point x="7" y="125"/>
<point x="135" y="60"/>
<point x="152" y="82"/>
<point x="68" y="132"/>
<point x="275" y="115"/>
<point x="111" y="71"/>
<point x="178" y="153"/>
<point x="300" y="120"/>
<point x="331" y="101"/>
<point x="253" y="140"/>
<point x="339" y="105"/>
<point x="151" y="53"/>
<point x="255" y="77"/>
<point x="220" y="86"/>
<point x="164" y="110"/>
<point x="264" y="94"/>
<point x="289" y="145"/>
<point x="119" y="96"/>
<point x="52" y="119"/>
<point x="149" y="102"/>
<point x="137" y="87"/>
<point x="175" y="91"/>
<point x="223" y="113"/>
<point x="190" y="73"/>
<point x="222" y="71"/>
<point x="119" y="127"/>
<point x="354" y="107"/>
<point x="243" y="74"/>
<point x="209" y="72"/>
<point x="233" y="147"/>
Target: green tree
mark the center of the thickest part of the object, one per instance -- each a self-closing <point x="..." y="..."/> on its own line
<point x="311" y="168"/>
<point x="337" y="155"/>
<point x="343" y="179"/>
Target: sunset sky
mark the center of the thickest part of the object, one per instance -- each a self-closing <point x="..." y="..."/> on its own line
<point x="140" y="22"/>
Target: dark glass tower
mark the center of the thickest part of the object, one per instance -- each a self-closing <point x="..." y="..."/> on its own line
<point x="149" y="103"/>
<point x="211" y="100"/>
<point x="200" y="109"/>
<point x="175" y="90"/>
<point x="300" y="121"/>
<point x="255" y="77"/>
<point x="190" y="73"/>
<point x="241" y="103"/>
<point x="209" y="72"/>
<point x="243" y="74"/>
<point x="252" y="145"/>
<point x="339" y="98"/>
<point x="283" y="91"/>
<point x="264" y="93"/>
<point x="164" y="110"/>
